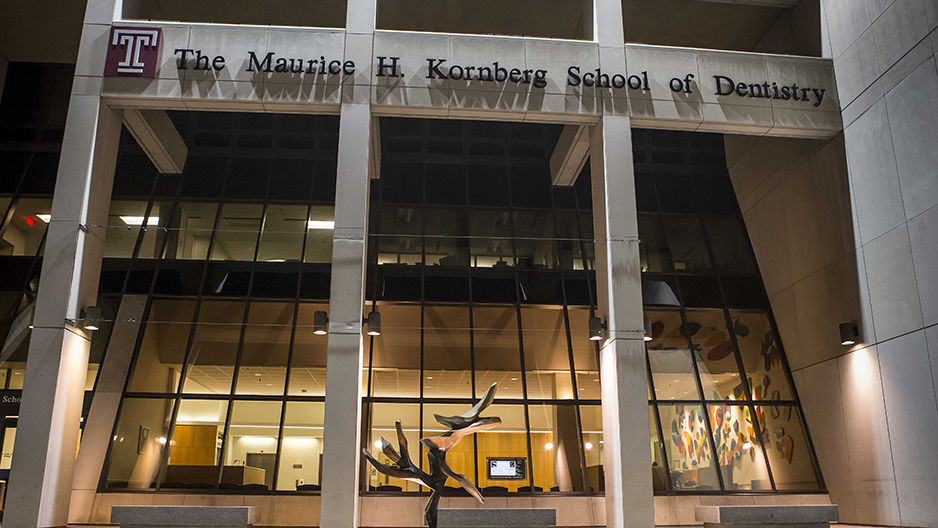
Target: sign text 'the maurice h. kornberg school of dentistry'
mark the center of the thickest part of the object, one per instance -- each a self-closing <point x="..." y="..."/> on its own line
<point x="134" y="52"/>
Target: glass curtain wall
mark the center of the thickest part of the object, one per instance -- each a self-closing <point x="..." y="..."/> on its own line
<point x="227" y="384"/>
<point x="33" y="107"/>
<point x="482" y="271"/>
<point x="721" y="392"/>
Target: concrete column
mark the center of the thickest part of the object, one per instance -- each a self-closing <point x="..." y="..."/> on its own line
<point x="47" y="435"/>
<point x="629" y="497"/>
<point x="342" y="421"/>
<point x="342" y="426"/>
<point x="103" y="412"/>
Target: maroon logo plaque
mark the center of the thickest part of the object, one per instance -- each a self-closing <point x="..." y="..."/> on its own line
<point x="133" y="52"/>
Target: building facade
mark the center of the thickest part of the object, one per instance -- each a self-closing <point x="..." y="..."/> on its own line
<point x="691" y="244"/>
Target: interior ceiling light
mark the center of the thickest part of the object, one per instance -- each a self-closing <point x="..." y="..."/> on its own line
<point x="44" y="217"/>
<point x="138" y="220"/>
<point x="321" y="224"/>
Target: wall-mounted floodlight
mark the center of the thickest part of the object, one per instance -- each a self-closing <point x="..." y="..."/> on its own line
<point x="848" y="334"/>
<point x="597" y="328"/>
<point x="320" y="323"/>
<point x="91" y="318"/>
<point x="374" y="323"/>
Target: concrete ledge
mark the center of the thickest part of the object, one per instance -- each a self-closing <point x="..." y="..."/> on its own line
<point x="767" y="525"/>
<point x="738" y="515"/>
<point x="183" y="516"/>
<point x="497" y="517"/>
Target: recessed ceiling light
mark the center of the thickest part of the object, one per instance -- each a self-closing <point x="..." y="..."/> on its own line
<point x="138" y="220"/>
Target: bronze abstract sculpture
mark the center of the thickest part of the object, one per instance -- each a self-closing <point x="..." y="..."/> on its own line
<point x="460" y="426"/>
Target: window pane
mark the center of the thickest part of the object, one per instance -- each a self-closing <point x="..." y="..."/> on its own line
<point x="449" y="252"/>
<point x="308" y="364"/>
<point x="686" y="243"/>
<point x="399" y="250"/>
<point x="236" y="234"/>
<point x="159" y="360"/>
<point x="534" y="244"/>
<point x="251" y="447"/>
<point x="282" y="236"/>
<point x="591" y="420"/>
<point x="653" y="252"/>
<point x="319" y="233"/>
<point x="123" y="225"/>
<point x="194" y="447"/>
<point x="508" y="440"/>
<point x="156" y="232"/>
<point x="190" y="230"/>
<point x="688" y="448"/>
<point x="585" y="356"/>
<point x="555" y="447"/>
<point x="446" y="360"/>
<point x="659" y="470"/>
<point x="138" y="443"/>
<point x="214" y="347"/>
<point x="659" y="291"/>
<point x="383" y="416"/>
<point x="672" y="367"/>
<point x="739" y="449"/>
<point x="570" y="245"/>
<point x="395" y="365"/>
<point x="790" y="456"/>
<point x="497" y="350"/>
<point x="762" y="356"/>
<point x="716" y="358"/>
<point x="546" y="359"/>
<point x="265" y="349"/>
<point x="23" y="234"/>
<point x="301" y="451"/>
<point x="460" y="458"/>
<point x="491" y="238"/>
<point x="730" y="245"/>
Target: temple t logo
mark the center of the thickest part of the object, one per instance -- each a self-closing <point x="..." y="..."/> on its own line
<point x="133" y="52"/>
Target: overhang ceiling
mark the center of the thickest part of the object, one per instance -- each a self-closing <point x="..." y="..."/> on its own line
<point x="41" y="30"/>
<point x="696" y="24"/>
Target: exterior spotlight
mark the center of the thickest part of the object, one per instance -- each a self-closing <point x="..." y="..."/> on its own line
<point x="374" y="323"/>
<point x="648" y="334"/>
<point x="91" y="318"/>
<point x="548" y="446"/>
<point x="320" y="323"/>
<point x="588" y="446"/>
<point x="848" y="334"/>
<point x="597" y="327"/>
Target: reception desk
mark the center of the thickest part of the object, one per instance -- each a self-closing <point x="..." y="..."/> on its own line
<point x="230" y="475"/>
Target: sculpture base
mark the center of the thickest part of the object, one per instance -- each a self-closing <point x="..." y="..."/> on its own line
<point x="497" y="517"/>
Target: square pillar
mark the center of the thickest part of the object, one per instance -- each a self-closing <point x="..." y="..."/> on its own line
<point x="342" y="424"/>
<point x="53" y="389"/>
<point x="629" y="495"/>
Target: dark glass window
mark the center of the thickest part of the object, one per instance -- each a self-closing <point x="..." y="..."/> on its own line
<point x="227" y="368"/>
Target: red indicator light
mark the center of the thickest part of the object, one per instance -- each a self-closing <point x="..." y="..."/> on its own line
<point x="29" y="221"/>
